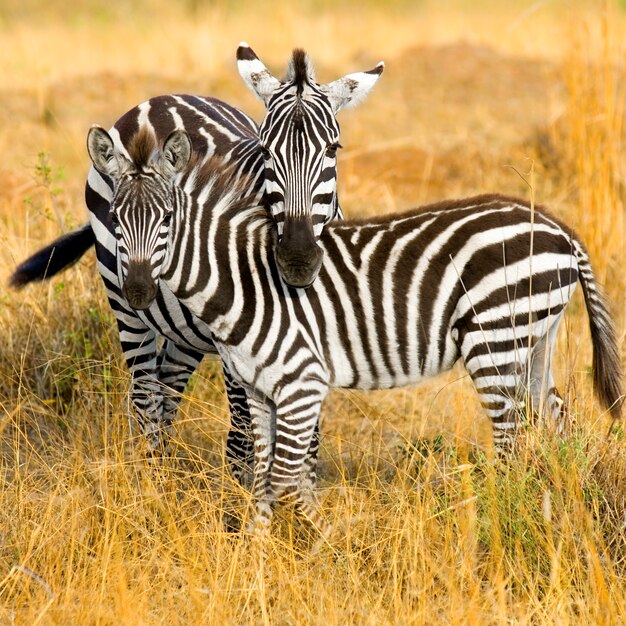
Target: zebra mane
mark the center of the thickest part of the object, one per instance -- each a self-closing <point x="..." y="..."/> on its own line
<point x="142" y="146"/>
<point x="229" y="189"/>
<point x="300" y="70"/>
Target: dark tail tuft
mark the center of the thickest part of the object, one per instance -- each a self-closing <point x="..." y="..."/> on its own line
<point x="54" y="258"/>
<point x="607" y="366"/>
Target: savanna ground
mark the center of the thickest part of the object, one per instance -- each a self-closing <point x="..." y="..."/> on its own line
<point x="515" y="97"/>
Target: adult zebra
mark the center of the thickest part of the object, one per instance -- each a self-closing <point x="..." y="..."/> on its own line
<point x="398" y="298"/>
<point x="299" y="139"/>
<point x="215" y="130"/>
<point x="160" y="374"/>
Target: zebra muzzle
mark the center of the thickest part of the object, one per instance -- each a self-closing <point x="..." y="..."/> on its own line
<point x="298" y="256"/>
<point x="139" y="288"/>
<point x="299" y="268"/>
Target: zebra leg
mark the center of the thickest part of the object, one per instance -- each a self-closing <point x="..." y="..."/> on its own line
<point x="263" y="415"/>
<point x="139" y="346"/>
<point x="297" y="419"/>
<point x="175" y="365"/>
<point x="545" y="398"/>
<point x="240" y="441"/>
<point x="497" y="371"/>
<point x="308" y="480"/>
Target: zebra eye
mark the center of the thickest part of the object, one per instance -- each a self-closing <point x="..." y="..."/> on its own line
<point x="167" y="219"/>
<point x="331" y="150"/>
<point x="114" y="219"/>
<point x="266" y="153"/>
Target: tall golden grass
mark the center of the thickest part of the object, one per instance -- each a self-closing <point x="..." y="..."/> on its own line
<point x="487" y="97"/>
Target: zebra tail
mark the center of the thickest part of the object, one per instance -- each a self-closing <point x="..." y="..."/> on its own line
<point x="607" y="367"/>
<point x="54" y="258"/>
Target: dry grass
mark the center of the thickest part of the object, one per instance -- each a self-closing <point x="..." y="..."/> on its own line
<point x="471" y="100"/>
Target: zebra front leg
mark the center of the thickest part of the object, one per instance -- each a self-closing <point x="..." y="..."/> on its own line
<point x="139" y="346"/>
<point x="240" y="442"/>
<point x="263" y="420"/>
<point x="308" y="480"/>
<point x="295" y="451"/>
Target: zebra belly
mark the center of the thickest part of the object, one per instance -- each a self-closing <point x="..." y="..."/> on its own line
<point x="369" y="374"/>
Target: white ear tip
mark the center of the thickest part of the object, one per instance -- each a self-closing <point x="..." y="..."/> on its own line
<point x="243" y="44"/>
<point x="380" y="66"/>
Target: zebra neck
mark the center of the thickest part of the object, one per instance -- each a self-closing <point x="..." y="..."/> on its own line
<point x="216" y="254"/>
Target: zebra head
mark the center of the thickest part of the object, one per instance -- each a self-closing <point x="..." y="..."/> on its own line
<point x="144" y="197"/>
<point x="299" y="138"/>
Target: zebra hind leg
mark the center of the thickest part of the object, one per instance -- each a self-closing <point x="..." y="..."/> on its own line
<point x="498" y="377"/>
<point x="544" y="396"/>
<point x="240" y="441"/>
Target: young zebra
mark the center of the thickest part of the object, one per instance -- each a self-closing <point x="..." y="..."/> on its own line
<point x="215" y="129"/>
<point x="398" y="298"/>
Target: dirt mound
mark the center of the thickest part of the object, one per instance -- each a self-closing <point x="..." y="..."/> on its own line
<point x="455" y="120"/>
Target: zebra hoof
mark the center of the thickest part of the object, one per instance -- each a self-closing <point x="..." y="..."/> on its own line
<point x="232" y="523"/>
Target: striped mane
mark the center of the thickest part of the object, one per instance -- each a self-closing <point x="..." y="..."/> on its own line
<point x="229" y="189"/>
<point x="142" y="146"/>
<point x="300" y="70"/>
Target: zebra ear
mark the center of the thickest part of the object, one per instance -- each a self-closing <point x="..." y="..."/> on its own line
<point x="176" y="152"/>
<point x="102" y="152"/>
<point x="256" y="76"/>
<point x="353" y="88"/>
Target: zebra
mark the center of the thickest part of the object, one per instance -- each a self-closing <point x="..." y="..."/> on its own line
<point x="398" y="298"/>
<point x="160" y="372"/>
<point x="216" y="130"/>
<point x="299" y="138"/>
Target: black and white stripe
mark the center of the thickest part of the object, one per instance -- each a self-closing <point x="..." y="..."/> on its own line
<point x="397" y="299"/>
<point x="161" y="369"/>
<point x="164" y="343"/>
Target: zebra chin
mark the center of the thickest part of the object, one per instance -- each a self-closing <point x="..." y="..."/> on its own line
<point x="299" y="268"/>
